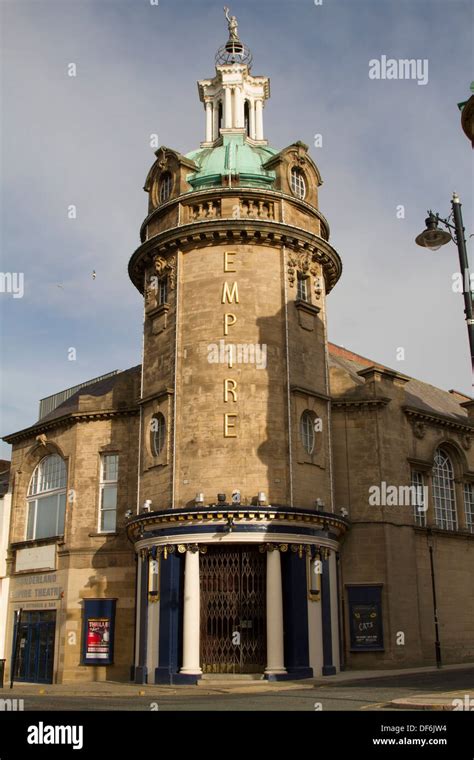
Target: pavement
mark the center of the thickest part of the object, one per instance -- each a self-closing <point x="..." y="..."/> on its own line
<point x="218" y="686"/>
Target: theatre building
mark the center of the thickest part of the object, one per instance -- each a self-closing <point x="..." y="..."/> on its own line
<point x="251" y="499"/>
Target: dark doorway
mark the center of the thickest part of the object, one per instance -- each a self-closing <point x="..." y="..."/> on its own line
<point x="233" y="610"/>
<point x="35" y="651"/>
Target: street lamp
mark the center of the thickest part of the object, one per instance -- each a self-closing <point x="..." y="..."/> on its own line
<point x="432" y="237"/>
<point x="435" y="606"/>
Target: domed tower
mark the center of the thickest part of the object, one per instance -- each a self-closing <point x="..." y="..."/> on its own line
<point x="236" y="532"/>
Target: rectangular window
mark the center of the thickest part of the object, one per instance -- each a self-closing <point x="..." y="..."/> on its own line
<point x="108" y="493"/>
<point x="418" y="498"/>
<point x="469" y="506"/>
<point x="303" y="289"/>
<point x="46" y="516"/>
<point x="163" y="290"/>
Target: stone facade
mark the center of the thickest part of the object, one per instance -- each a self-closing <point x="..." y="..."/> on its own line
<point x="248" y="452"/>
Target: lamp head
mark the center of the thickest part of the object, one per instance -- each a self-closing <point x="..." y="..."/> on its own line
<point x="432" y="237"/>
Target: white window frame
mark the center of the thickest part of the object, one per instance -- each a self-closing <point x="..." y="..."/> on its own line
<point x="154" y="434"/>
<point x="468" y="493"/>
<point x="166" y="184"/>
<point x="162" y="290"/>
<point x="103" y="485"/>
<point x="303" y="288"/>
<point x="36" y="492"/>
<point x="305" y="419"/>
<point x="418" y="484"/>
<point x="444" y="494"/>
<point x="298" y="183"/>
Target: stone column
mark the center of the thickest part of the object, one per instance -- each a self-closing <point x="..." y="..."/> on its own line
<point x="141" y="670"/>
<point x="238" y="108"/>
<point x="275" y="653"/>
<point x="208" y="121"/>
<point x="191" y="615"/>
<point x="259" y="119"/>
<point x="326" y="580"/>
<point x="252" y="118"/>
<point x="228" y="108"/>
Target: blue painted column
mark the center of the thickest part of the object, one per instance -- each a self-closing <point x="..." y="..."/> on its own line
<point x="328" y="665"/>
<point x="295" y="615"/>
<point x="170" y="645"/>
<point x="141" y="670"/>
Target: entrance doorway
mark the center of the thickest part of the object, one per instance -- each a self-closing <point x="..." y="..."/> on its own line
<point x="35" y="646"/>
<point x="233" y="610"/>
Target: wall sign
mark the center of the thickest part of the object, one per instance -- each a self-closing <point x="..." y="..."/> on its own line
<point x="365" y="618"/>
<point x="98" y="632"/>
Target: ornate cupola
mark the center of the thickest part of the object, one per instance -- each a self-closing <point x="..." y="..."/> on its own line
<point x="234" y="99"/>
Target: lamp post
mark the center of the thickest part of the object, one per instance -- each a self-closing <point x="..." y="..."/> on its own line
<point x="432" y="237"/>
<point x="435" y="606"/>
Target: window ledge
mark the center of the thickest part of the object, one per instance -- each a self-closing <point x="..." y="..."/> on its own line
<point x="104" y="534"/>
<point x="306" y="306"/>
<point x="36" y="542"/>
<point x="435" y="531"/>
<point x="156" y="311"/>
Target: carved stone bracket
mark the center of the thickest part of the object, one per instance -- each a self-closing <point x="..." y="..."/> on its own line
<point x="419" y="429"/>
<point x="166" y="267"/>
<point x="306" y="264"/>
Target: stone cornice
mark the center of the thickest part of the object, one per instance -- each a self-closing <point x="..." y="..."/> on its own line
<point x="308" y="392"/>
<point x="360" y="403"/>
<point x="435" y="418"/>
<point x="232" y="232"/>
<point x="213" y="514"/>
<point x="69" y="419"/>
<point x="155" y="396"/>
<point x="222" y="192"/>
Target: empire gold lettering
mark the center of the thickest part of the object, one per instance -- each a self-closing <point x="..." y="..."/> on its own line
<point x="229" y="425"/>
<point x="228" y="263"/>
<point x="230" y="294"/>
<point x="230" y="387"/>
<point x="229" y="320"/>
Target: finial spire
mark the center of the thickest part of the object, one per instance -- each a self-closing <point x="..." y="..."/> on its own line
<point x="234" y="50"/>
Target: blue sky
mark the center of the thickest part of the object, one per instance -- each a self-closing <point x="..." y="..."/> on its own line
<point x="85" y="141"/>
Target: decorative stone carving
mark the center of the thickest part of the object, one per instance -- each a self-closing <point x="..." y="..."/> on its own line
<point x="163" y="160"/>
<point x="206" y="210"/>
<point x="166" y="267"/>
<point x="305" y="264"/>
<point x="419" y="429"/>
<point x="292" y="264"/>
<point x="466" y="441"/>
<point x="256" y="209"/>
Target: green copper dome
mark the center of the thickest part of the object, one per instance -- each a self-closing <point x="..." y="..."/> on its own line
<point x="235" y="156"/>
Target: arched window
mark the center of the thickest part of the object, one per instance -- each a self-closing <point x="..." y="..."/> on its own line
<point x="247" y="118"/>
<point x="298" y="184"/>
<point x="47" y="498"/>
<point x="443" y="492"/>
<point x="158" y="434"/>
<point x="220" y="117"/>
<point x="307" y="431"/>
<point x="166" y="182"/>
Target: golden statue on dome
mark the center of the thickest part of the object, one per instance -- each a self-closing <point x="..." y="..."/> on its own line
<point x="233" y="25"/>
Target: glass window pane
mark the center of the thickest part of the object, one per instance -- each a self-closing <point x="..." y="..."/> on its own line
<point x="61" y="513"/>
<point x="110" y="467"/>
<point x="46" y="518"/>
<point x="108" y="520"/>
<point x="31" y="520"/>
<point x="49" y="475"/>
<point x="109" y="497"/>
